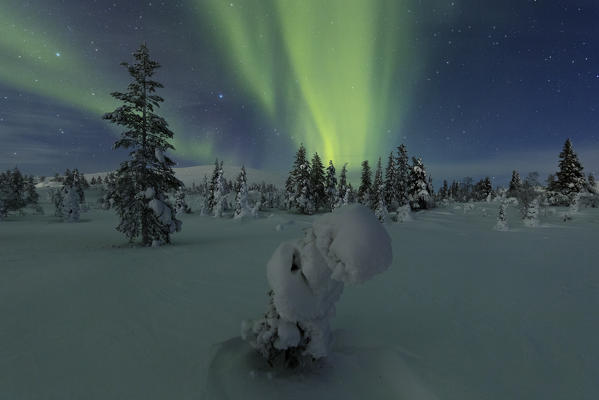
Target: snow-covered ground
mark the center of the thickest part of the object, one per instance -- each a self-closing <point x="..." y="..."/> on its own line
<point x="464" y="311"/>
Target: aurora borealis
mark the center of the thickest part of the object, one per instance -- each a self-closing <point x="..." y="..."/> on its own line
<point x="322" y="69"/>
<point x="468" y="86"/>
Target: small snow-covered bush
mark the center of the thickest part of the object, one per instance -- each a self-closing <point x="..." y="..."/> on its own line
<point x="531" y="219"/>
<point x="404" y="213"/>
<point x="501" y="224"/>
<point x="307" y="277"/>
<point x="70" y="205"/>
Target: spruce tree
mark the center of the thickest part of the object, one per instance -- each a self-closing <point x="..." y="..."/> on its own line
<point x="418" y="188"/>
<point x="365" y="185"/>
<point x="16" y="190"/>
<point x="501" y="224"/>
<point x="570" y="179"/>
<point x="209" y="206"/>
<point x="402" y="175"/>
<point x="331" y="186"/>
<point x="143" y="181"/>
<point x="317" y="182"/>
<point x="444" y="191"/>
<point x="515" y="185"/>
<point x="378" y="187"/>
<point x="390" y="180"/>
<point x="31" y="195"/>
<point x="342" y="188"/>
<point x="302" y="198"/>
<point x="181" y="206"/>
<point x="241" y="198"/>
<point x="70" y="205"/>
<point x="289" y="191"/>
<point x="220" y="202"/>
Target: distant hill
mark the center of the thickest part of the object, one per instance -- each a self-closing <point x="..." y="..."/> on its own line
<point x="188" y="175"/>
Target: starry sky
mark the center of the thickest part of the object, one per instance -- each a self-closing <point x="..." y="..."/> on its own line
<point x="474" y="87"/>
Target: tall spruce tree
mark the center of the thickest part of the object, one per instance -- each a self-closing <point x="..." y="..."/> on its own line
<point x="209" y="201"/>
<point x="331" y="186"/>
<point x="390" y="180"/>
<point x="365" y="185"/>
<point x="570" y="179"/>
<point x="418" y="190"/>
<point x="444" y="191"/>
<point x="241" y="198"/>
<point x="342" y="188"/>
<point x="143" y="181"/>
<point x="302" y="198"/>
<point x="402" y="175"/>
<point x="378" y="188"/>
<point x="317" y="182"/>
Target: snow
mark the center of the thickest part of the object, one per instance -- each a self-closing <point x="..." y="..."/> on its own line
<point x="464" y="311"/>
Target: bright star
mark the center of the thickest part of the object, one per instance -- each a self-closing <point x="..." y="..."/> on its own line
<point x="220" y="96"/>
<point x="57" y="54"/>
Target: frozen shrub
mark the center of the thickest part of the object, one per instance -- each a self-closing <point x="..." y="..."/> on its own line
<point x="404" y="213"/>
<point x="531" y="218"/>
<point x="70" y="205"/>
<point x="307" y="277"/>
<point x="501" y="224"/>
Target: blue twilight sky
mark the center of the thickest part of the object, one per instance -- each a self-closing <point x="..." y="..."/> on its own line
<point x="474" y="87"/>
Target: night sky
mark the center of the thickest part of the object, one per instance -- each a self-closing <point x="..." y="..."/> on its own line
<point x="474" y="87"/>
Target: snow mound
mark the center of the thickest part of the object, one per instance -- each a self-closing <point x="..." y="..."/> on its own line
<point x="307" y="276"/>
<point x="356" y="246"/>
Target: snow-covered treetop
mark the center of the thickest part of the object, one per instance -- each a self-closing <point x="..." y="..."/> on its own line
<point x="357" y="246"/>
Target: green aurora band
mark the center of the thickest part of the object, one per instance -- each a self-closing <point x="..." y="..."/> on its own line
<point x="333" y="74"/>
<point x="39" y="62"/>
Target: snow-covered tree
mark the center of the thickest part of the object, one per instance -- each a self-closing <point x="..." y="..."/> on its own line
<point x="483" y="189"/>
<point x="242" y="208"/>
<point x="403" y="214"/>
<point x="317" y="182"/>
<point x="181" y="206"/>
<point x="57" y="199"/>
<point x="3" y="211"/>
<point x="220" y="201"/>
<point x="289" y="193"/>
<point x="444" y="191"/>
<point x="31" y="195"/>
<point x="365" y="189"/>
<point x="501" y="224"/>
<point x="342" y="187"/>
<point x="418" y="189"/>
<point x="143" y="181"/>
<point x="390" y="180"/>
<point x="592" y="184"/>
<point x="70" y="204"/>
<point x="378" y="187"/>
<point x="209" y="200"/>
<point x="531" y="219"/>
<point x="306" y="278"/>
<point x="515" y="185"/>
<point x="570" y="178"/>
<point x="302" y="198"/>
<point x="381" y="211"/>
<point x="402" y="175"/>
<point x="331" y="187"/>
